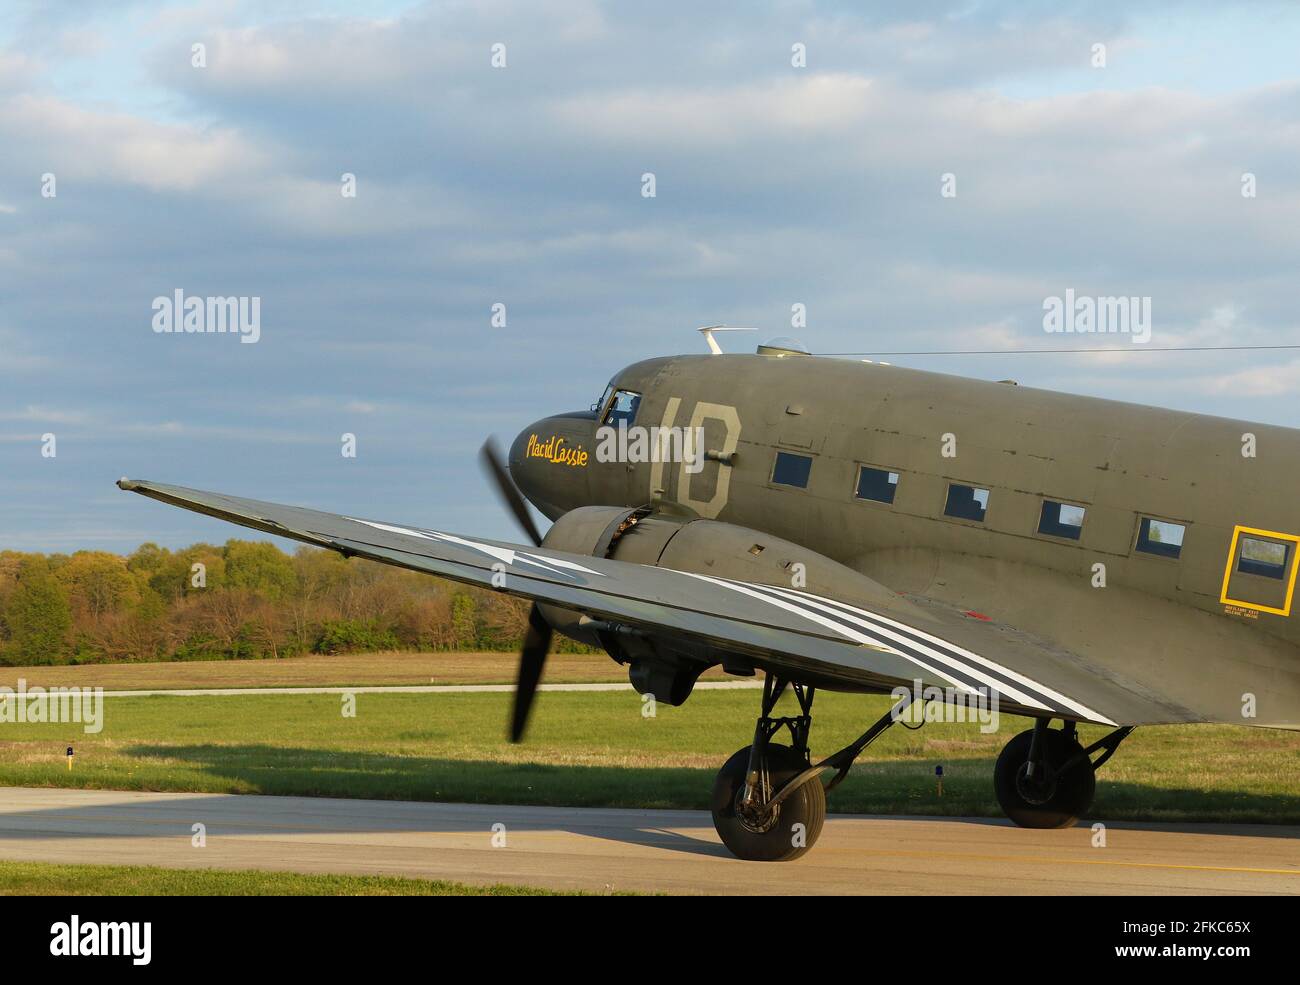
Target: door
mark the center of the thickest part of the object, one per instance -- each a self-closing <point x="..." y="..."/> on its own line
<point x="1261" y="570"/>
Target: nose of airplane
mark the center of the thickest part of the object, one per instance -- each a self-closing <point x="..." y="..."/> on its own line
<point x="550" y="462"/>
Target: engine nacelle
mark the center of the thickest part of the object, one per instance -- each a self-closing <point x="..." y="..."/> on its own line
<point x="588" y="530"/>
<point x="661" y="664"/>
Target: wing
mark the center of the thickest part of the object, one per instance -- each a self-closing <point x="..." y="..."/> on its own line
<point x="793" y="630"/>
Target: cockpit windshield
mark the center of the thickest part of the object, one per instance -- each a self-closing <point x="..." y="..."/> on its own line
<point x="623" y="408"/>
<point x="600" y="404"/>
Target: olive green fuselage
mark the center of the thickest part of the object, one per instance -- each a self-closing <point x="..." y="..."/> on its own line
<point x="1204" y="626"/>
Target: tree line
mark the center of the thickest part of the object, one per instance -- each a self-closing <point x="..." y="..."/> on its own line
<point x="242" y="600"/>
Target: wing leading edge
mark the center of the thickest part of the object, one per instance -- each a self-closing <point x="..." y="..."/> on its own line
<point x="789" y="628"/>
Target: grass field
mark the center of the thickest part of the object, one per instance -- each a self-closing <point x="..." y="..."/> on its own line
<point x="48" y="879"/>
<point x="597" y="749"/>
<point x="356" y="669"/>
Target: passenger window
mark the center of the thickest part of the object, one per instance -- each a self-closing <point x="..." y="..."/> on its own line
<point x="623" y="409"/>
<point x="791" y="470"/>
<point x="966" y="502"/>
<point x="1061" y="520"/>
<point x="877" y="484"/>
<point x="1266" y="558"/>
<point x="1160" y="537"/>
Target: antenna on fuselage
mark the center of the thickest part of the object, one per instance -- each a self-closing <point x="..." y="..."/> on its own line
<point x="708" y="330"/>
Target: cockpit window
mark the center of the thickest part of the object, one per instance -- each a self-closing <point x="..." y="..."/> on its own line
<point x="600" y="404"/>
<point x="623" y="409"/>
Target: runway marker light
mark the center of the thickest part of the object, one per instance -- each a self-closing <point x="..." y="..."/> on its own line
<point x="938" y="772"/>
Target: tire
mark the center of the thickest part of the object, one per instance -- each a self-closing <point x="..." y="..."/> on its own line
<point x="781" y="841"/>
<point x="1062" y="803"/>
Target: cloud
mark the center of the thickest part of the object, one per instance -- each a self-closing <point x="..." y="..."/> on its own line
<point x="46" y="415"/>
<point x="1257" y="382"/>
<point x="522" y="186"/>
<point x="117" y="148"/>
<point x="791" y="107"/>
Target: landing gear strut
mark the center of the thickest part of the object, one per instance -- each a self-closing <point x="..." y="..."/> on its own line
<point x="768" y="801"/>
<point x="1045" y="779"/>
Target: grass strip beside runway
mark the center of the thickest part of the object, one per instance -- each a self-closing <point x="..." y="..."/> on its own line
<point x="600" y="750"/>
<point x="50" y="879"/>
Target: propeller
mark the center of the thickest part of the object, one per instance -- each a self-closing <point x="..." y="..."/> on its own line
<point x="537" y="643"/>
<point x="496" y="469"/>
<point x="537" y="640"/>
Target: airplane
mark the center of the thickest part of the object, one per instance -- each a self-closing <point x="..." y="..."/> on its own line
<point x="854" y="526"/>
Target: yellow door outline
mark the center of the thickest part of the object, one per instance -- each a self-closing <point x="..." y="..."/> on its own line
<point x="1237" y="531"/>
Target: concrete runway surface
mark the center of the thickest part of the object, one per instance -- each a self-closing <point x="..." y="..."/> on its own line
<point x="653" y="850"/>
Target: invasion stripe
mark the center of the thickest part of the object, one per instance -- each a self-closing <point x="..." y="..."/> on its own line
<point x="980" y="677"/>
<point x="829" y="623"/>
<point x="1002" y="683"/>
<point x="1043" y="689"/>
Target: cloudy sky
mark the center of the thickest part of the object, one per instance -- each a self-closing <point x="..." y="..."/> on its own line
<point x="775" y="185"/>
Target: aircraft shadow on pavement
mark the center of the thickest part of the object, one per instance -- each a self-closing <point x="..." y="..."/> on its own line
<point x="541" y="798"/>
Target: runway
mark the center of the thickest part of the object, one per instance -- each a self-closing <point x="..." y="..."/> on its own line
<point x="649" y="851"/>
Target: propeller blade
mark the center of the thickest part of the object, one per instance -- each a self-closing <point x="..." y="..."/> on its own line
<point x="496" y="468"/>
<point x="537" y="643"/>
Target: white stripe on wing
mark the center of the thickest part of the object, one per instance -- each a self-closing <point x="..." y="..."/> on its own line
<point x="952" y="648"/>
<point x="838" y="627"/>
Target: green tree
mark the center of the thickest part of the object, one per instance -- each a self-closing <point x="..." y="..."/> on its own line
<point x="464" y="622"/>
<point x="98" y="583"/>
<point x="185" y="576"/>
<point x="260" y="567"/>
<point x="147" y="559"/>
<point x="37" y="615"/>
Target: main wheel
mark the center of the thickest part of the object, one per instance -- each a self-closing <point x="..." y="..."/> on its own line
<point x="1055" y="804"/>
<point x="787" y="830"/>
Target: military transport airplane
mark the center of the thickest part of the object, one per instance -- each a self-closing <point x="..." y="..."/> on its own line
<point x="854" y="526"/>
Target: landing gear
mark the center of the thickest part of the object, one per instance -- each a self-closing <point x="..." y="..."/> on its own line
<point x="758" y="833"/>
<point x="768" y="801"/>
<point x="1045" y="779"/>
<point x="1029" y="788"/>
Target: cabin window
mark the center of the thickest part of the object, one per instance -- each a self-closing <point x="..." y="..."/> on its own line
<point x="1266" y="558"/>
<point x="1160" y="537"/>
<point x="623" y="408"/>
<point x="966" y="502"/>
<point x="877" y="484"/>
<point x="791" y="470"/>
<point x="1061" y="520"/>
